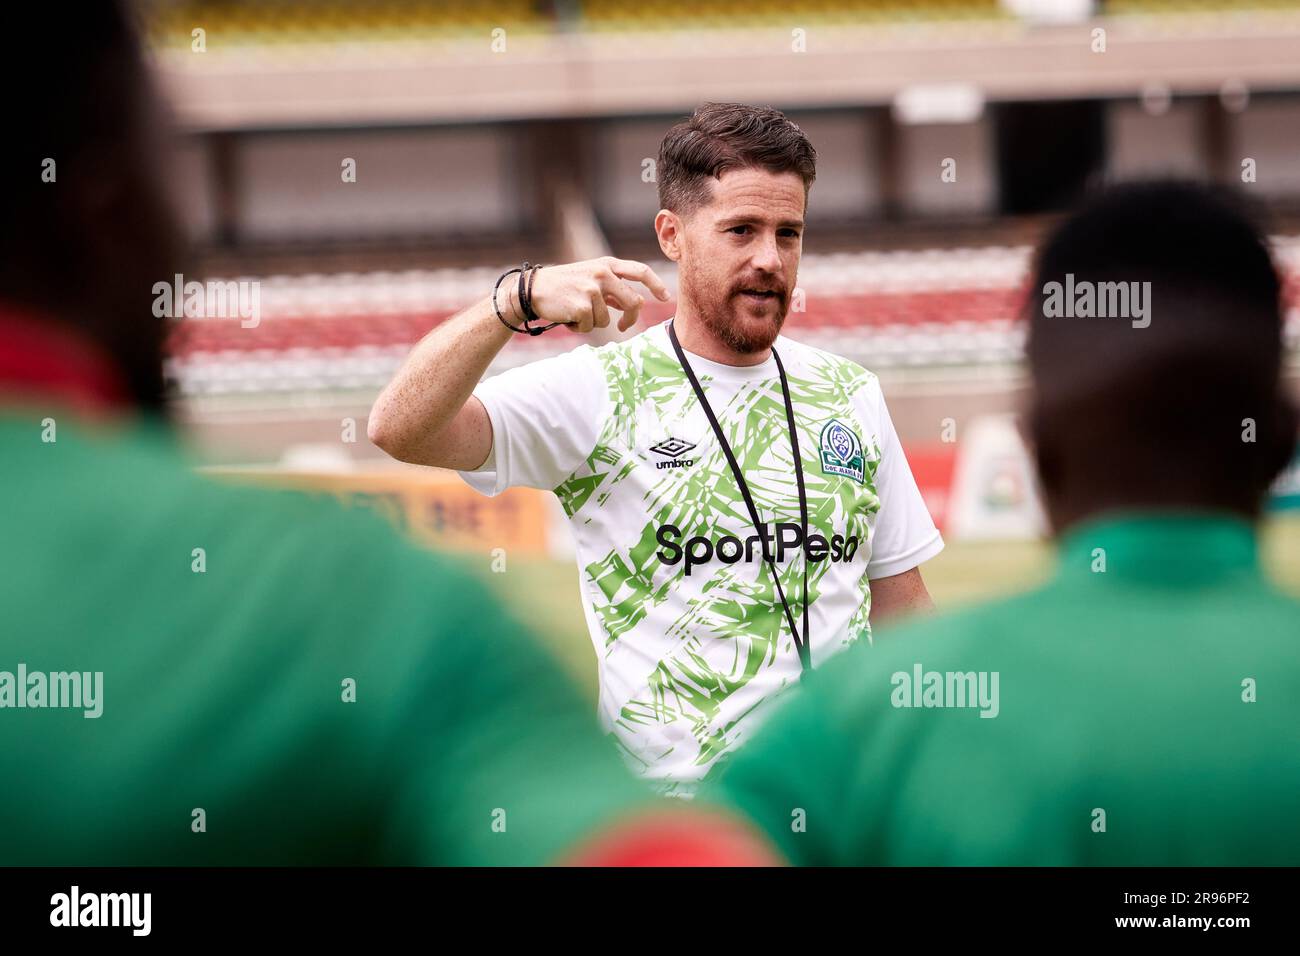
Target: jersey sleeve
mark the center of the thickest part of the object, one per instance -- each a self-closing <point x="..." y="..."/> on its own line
<point x="905" y="535"/>
<point x="546" y="417"/>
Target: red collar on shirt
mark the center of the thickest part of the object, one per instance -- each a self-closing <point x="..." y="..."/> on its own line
<point x="43" y="359"/>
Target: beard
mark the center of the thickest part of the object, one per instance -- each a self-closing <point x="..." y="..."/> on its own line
<point x="742" y="323"/>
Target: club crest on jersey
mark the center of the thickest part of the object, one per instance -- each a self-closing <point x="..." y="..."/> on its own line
<point x="842" y="451"/>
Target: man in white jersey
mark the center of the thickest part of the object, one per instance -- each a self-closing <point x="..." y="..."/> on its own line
<point x="716" y="564"/>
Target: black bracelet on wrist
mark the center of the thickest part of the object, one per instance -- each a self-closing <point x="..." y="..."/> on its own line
<point x="526" y="293"/>
<point x="497" y="309"/>
<point x="527" y="276"/>
<point x="532" y="313"/>
<point x="523" y="298"/>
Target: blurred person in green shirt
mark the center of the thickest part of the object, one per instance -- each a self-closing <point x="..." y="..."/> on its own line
<point x="199" y="674"/>
<point x="1142" y="708"/>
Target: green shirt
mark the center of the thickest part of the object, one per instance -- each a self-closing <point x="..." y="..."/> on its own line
<point x="1158" y="699"/>
<point x="223" y="682"/>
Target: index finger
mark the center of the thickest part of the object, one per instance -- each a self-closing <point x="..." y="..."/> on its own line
<point x="631" y="269"/>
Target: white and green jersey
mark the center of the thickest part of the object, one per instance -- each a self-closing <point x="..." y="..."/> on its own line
<point x="690" y="635"/>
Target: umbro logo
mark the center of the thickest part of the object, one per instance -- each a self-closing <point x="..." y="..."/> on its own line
<point x="673" y="449"/>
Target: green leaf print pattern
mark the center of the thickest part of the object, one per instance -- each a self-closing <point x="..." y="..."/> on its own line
<point x="734" y="604"/>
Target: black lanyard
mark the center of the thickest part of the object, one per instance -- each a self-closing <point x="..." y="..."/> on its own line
<point x="805" y="656"/>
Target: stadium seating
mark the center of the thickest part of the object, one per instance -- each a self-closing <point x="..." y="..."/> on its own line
<point x="641" y="15"/>
<point x="250" y="23"/>
<point x="350" y="331"/>
<point x="325" y="21"/>
<point x="246" y="23"/>
<point x="1194" y="6"/>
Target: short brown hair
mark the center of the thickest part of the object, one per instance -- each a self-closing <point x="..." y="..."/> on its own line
<point x="722" y="136"/>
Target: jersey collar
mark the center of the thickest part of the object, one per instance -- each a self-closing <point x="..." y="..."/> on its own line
<point x="41" y="359"/>
<point x="1171" y="548"/>
<point x="717" y="370"/>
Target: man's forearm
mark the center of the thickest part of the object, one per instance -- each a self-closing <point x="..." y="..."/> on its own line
<point x="897" y="596"/>
<point x="436" y="380"/>
<point x="426" y="414"/>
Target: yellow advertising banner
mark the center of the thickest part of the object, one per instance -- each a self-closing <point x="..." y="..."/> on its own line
<point x="433" y="507"/>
